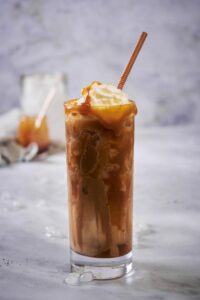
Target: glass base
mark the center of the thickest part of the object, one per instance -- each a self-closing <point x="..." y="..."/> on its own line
<point x="102" y="268"/>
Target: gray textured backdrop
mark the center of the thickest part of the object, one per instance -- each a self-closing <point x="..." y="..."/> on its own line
<point x="93" y="39"/>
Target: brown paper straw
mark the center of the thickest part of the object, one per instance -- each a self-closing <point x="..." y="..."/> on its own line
<point x="132" y="60"/>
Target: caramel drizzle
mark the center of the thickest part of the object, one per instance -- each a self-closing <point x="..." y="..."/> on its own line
<point x="86" y="106"/>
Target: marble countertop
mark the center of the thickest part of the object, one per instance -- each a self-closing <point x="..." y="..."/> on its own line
<point x="34" y="258"/>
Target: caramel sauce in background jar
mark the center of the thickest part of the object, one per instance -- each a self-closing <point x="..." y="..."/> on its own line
<point x="28" y="133"/>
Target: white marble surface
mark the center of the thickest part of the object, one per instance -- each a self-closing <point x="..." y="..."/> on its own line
<point x="33" y="263"/>
<point x="92" y="40"/>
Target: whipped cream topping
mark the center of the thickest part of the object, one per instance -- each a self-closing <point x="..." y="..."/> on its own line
<point x="105" y="95"/>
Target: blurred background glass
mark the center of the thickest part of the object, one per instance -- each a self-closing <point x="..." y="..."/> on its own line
<point x="34" y="90"/>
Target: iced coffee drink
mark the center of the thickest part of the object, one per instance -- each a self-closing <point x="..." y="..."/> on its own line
<point x="100" y="144"/>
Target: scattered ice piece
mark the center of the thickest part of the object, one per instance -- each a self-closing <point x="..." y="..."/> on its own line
<point x="86" y="277"/>
<point x="9" y="204"/>
<point x="142" y="230"/>
<point x="76" y="278"/>
<point x="52" y="232"/>
<point x="72" y="279"/>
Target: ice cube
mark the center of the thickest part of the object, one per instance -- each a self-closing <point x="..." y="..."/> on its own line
<point x="86" y="277"/>
<point x="72" y="279"/>
<point x="52" y="232"/>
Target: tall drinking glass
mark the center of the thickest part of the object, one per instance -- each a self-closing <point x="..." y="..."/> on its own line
<point x="100" y="147"/>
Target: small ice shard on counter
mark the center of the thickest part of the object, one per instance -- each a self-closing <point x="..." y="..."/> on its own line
<point x="52" y="232"/>
<point x="73" y="279"/>
<point x="86" y="277"/>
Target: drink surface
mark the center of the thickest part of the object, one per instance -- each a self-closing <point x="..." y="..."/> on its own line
<point x="100" y="173"/>
<point x="28" y="133"/>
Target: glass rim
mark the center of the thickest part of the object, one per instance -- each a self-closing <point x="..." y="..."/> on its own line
<point x="66" y="103"/>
